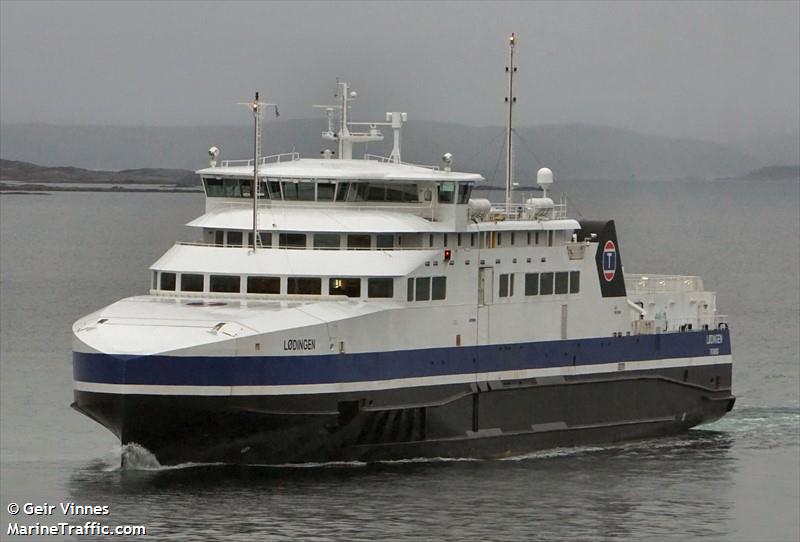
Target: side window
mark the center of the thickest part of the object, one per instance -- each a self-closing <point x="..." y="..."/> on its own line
<point x="562" y="282"/>
<point x="439" y="288"/>
<point x="292" y="240"/>
<point x="358" y="241"/>
<point x="447" y="191"/>
<point x="234" y="238"/>
<point x="351" y="287"/>
<point x="191" y="282"/>
<point x="574" y="282"/>
<point x="214" y="188"/>
<point x="304" y="286"/>
<point x="275" y="189"/>
<point x="531" y="283"/>
<point x="546" y="284"/>
<point x="506" y="285"/>
<point x="326" y="240"/>
<point x="219" y="238"/>
<point x="410" y="291"/>
<point x="154" y="281"/>
<point x="225" y="283"/>
<point x="263" y="285"/>
<point x="384" y="240"/>
<point x="464" y="191"/>
<point x="380" y="287"/>
<point x="168" y="282"/>
<point x="341" y="191"/>
<point x="423" y="289"/>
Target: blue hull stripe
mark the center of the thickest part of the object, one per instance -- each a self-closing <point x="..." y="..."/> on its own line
<point x="362" y="367"/>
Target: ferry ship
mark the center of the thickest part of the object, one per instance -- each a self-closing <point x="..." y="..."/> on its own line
<point x="367" y="309"/>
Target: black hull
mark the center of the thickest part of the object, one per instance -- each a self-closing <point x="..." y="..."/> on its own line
<point x="489" y="420"/>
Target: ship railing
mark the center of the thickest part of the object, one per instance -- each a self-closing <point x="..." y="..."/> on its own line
<point x="423" y="210"/>
<point x="644" y="284"/>
<point x="523" y="211"/>
<point x="390" y="160"/>
<point x="271" y="159"/>
<point x="269" y="247"/>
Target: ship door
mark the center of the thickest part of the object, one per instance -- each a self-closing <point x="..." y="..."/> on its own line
<point x="485" y="300"/>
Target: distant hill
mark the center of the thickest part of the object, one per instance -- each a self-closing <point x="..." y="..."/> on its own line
<point x="774" y="173"/>
<point x="571" y="151"/>
<point x="14" y="170"/>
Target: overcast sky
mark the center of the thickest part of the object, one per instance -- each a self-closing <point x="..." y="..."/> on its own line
<point x="722" y="71"/>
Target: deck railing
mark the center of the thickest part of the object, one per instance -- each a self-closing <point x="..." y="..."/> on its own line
<point x="641" y="284"/>
<point x="271" y="159"/>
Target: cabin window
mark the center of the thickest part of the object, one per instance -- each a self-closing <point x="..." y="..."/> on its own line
<point x="384" y="240"/>
<point x="292" y="240"/>
<point x="275" y="189"/>
<point x="219" y="238"/>
<point x="464" y="191"/>
<point x="423" y="289"/>
<point x="512" y="238"/>
<point x="447" y="191"/>
<point x="546" y="284"/>
<point x="263" y="193"/>
<point x="214" y="188"/>
<point x="472" y="239"/>
<point x="264" y="239"/>
<point x="325" y="191"/>
<point x="191" y="282"/>
<point x="536" y="238"/>
<point x="168" y="281"/>
<point x="499" y="238"/>
<point x="234" y="238"/>
<point x="376" y="192"/>
<point x="225" y="283"/>
<point x="574" y="282"/>
<point x="444" y="240"/>
<point x="326" y="241"/>
<point x="380" y="287"/>
<point x="562" y="282"/>
<point x="507" y="285"/>
<point x="430" y="240"/>
<point x="341" y="191"/>
<point x="439" y="288"/>
<point x="529" y="238"/>
<point x="358" y="241"/>
<point x="245" y="188"/>
<point x="531" y="283"/>
<point x="263" y="285"/>
<point x="550" y="238"/>
<point x="343" y="286"/>
<point x="298" y="190"/>
<point x="458" y="240"/>
<point x="154" y="281"/>
<point x="304" y="286"/>
<point x="410" y="290"/>
<point x="358" y="192"/>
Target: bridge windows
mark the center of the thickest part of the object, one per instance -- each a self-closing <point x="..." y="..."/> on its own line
<point x="325" y="191"/>
<point x="464" y="192"/>
<point x="351" y="287"/>
<point x="447" y="192"/>
<point x="263" y="285"/>
<point x="384" y="240"/>
<point x="341" y="191"/>
<point x="234" y="238"/>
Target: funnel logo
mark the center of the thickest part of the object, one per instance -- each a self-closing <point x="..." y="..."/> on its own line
<point x="609" y="260"/>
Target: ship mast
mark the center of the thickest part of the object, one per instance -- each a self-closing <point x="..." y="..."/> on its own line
<point x="257" y="108"/>
<point x="510" y="101"/>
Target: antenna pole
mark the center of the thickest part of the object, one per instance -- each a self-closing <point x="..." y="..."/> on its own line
<point x="510" y="100"/>
<point x="256" y="153"/>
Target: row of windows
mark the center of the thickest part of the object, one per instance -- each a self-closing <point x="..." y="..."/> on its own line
<point x="377" y="287"/>
<point x="427" y="288"/>
<point x="327" y="190"/>
<point x="384" y="240"/>
<point x="549" y="283"/>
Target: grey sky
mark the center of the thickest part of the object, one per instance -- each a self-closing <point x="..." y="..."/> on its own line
<point x="721" y="71"/>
